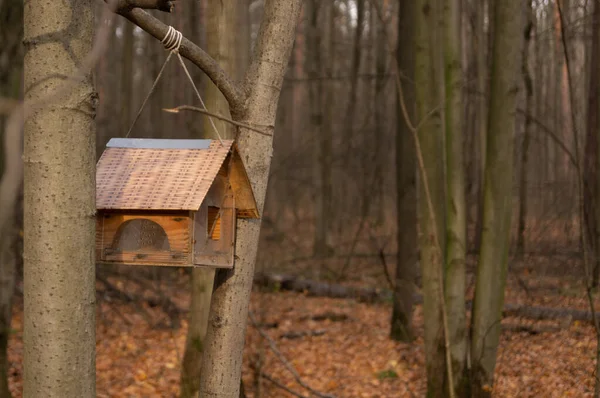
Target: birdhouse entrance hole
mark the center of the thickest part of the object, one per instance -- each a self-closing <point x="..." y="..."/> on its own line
<point x="140" y="234"/>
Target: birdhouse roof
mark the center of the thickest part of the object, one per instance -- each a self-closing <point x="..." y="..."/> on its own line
<point x="161" y="174"/>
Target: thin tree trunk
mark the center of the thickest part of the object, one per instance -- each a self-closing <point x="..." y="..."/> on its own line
<point x="317" y="67"/>
<point x="541" y="93"/>
<point x="482" y="41"/>
<point x="594" y="122"/>
<point x="225" y="47"/>
<point x="126" y="93"/>
<point x="455" y="196"/>
<point x="406" y="175"/>
<point x="354" y="69"/>
<point x="528" y="83"/>
<point x="327" y="211"/>
<point x="567" y="128"/>
<point x="325" y="56"/>
<point x="380" y="101"/>
<point x="592" y="162"/>
<point x="431" y="226"/>
<point x="560" y="115"/>
<point x="59" y="224"/>
<point x="191" y="366"/>
<point x="222" y="360"/>
<point x="492" y="267"/>
<point x="315" y="101"/>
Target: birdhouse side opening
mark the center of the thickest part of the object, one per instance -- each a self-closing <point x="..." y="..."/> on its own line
<point x="214" y="226"/>
<point x="145" y="238"/>
<point x="213" y="229"/>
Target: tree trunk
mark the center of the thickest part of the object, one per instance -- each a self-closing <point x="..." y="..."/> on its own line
<point x="324" y="62"/>
<point x="11" y="33"/>
<point x="406" y="174"/>
<point x="431" y="218"/>
<point x="594" y="122"/>
<point x="222" y="360"/>
<point x="126" y="93"/>
<point x="191" y="366"/>
<point x="224" y="46"/>
<point x="592" y="165"/>
<point x="482" y="40"/>
<point x="528" y="83"/>
<point x="354" y="69"/>
<point x="59" y="224"/>
<point x="492" y="267"/>
<point x="380" y="103"/>
<point x="316" y="93"/>
<point x="455" y="196"/>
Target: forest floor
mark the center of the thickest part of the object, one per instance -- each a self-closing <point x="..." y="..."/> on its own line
<point x="337" y="346"/>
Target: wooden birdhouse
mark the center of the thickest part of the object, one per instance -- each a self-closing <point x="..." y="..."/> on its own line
<point x="170" y="202"/>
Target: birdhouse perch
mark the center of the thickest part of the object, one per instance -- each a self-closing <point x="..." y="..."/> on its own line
<point x="170" y="202"/>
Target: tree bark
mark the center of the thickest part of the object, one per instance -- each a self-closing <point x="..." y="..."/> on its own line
<point x="59" y="224"/>
<point x="455" y="194"/>
<point x="431" y="226"/>
<point x="492" y="267"/>
<point x="225" y="47"/>
<point x="222" y="359"/>
<point x="191" y="366"/>
<point x="406" y="178"/>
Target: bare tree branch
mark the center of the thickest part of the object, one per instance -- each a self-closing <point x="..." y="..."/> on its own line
<point x="282" y="386"/>
<point x="232" y="92"/>
<point x="160" y="5"/>
<point x="218" y="116"/>
<point x="555" y="138"/>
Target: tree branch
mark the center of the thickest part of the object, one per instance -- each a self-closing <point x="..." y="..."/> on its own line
<point x="282" y="386"/>
<point x="160" y="5"/>
<point x="232" y="92"/>
<point x="217" y="116"/>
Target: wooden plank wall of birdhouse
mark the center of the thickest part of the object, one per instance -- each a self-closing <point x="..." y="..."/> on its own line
<point x="208" y="250"/>
<point x="176" y="226"/>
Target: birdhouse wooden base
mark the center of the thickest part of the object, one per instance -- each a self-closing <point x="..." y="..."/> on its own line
<point x="170" y="202"/>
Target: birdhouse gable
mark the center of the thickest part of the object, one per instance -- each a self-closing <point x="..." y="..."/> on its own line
<point x="170" y="202"/>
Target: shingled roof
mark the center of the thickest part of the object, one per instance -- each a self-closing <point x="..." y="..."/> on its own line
<point x="159" y="174"/>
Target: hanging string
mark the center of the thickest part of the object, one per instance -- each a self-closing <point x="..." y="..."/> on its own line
<point x="172" y="43"/>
